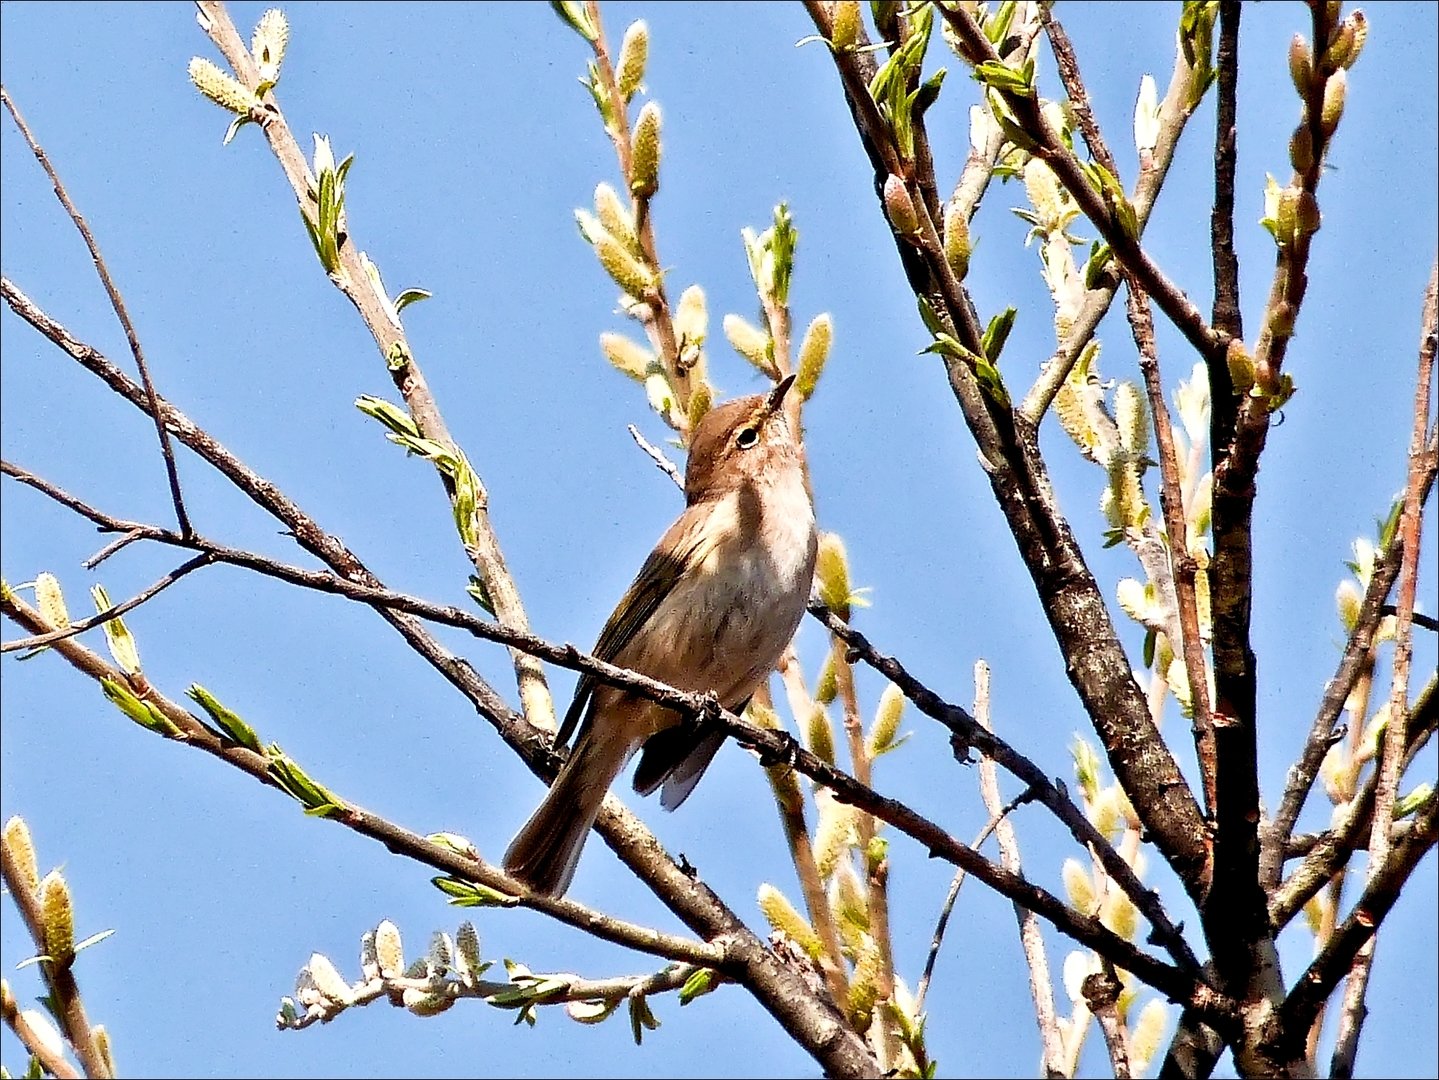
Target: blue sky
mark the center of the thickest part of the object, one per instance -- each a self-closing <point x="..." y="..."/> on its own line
<point x="473" y="144"/>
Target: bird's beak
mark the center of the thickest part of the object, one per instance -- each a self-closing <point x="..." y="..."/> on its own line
<point x="776" y="396"/>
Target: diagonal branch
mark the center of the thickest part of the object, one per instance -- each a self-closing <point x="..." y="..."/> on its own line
<point x="193" y="732"/>
<point x="968" y="733"/>
<point x="782" y="992"/>
<point x="353" y="277"/>
<point x="117" y="302"/>
<point x="772" y="746"/>
<point x="1313" y="988"/>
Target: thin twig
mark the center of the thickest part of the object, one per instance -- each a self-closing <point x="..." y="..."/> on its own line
<point x="967" y="733"/>
<point x="947" y="908"/>
<point x="1314" y="986"/>
<point x="118" y="303"/>
<point x="780" y="990"/>
<point x="666" y="466"/>
<point x="112" y="612"/>
<point x="1031" y="940"/>
<point x="1396" y="737"/>
<point x="1184" y="567"/>
<point x="1101" y="995"/>
<point x="772" y="747"/>
<point x="39" y="1047"/>
<point x="193" y="732"/>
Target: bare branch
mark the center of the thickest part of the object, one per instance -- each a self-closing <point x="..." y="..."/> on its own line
<point x="117" y="302"/>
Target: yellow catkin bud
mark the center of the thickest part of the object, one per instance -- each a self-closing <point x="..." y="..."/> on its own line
<point x="51" y="600"/>
<point x="850" y="905"/>
<point x="957" y="246"/>
<point x="1078" y="886"/>
<point x="616" y="219"/>
<point x="886" y="720"/>
<point x="220" y="88"/>
<point x="107" y="1052"/>
<point x="750" y="342"/>
<point x="267" y="46"/>
<point x="22" y="850"/>
<point x="692" y="317"/>
<point x="1133" y="599"/>
<point x="782" y="916"/>
<point x="1086" y="767"/>
<point x="1042" y="187"/>
<point x="645" y="159"/>
<point x="1119" y="914"/>
<point x="1132" y="418"/>
<point x="467" y="951"/>
<point x="661" y="396"/>
<point x="832" y="836"/>
<point x="628" y="356"/>
<point x="813" y="352"/>
<point x="826" y="686"/>
<point x="864" y="986"/>
<point x="634" y="53"/>
<point x="1144" y="1037"/>
<point x="832" y="572"/>
<point x="701" y="398"/>
<point x="819" y="733"/>
<point x="389" y="950"/>
<point x="1349" y="43"/>
<point x="1301" y="63"/>
<point x="1347" y="600"/>
<point x="900" y="207"/>
<point x="1335" y="89"/>
<point x="761" y="715"/>
<point x="631" y="275"/>
<point x="1301" y="149"/>
<point x="845" y="34"/>
<point x="57" y="914"/>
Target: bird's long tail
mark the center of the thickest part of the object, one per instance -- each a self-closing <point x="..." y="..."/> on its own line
<point x="547" y="849"/>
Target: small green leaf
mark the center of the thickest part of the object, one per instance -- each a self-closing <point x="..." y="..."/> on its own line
<point x="697" y="985"/>
<point x="230" y="723"/>
<point x="411" y="296"/>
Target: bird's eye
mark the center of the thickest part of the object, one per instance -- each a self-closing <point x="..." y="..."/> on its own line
<point x="746" y="437"/>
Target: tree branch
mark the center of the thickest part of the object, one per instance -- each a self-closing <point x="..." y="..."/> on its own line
<point x="117" y="302"/>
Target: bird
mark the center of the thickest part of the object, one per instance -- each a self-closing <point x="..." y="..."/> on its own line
<point x="711" y="610"/>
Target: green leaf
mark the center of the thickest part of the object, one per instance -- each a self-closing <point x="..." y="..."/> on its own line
<point x="697" y="985"/>
<point x="230" y="723"/>
<point x="411" y="296"/>
<point x="472" y="893"/>
<point x="997" y="333"/>
<point x="574" y="15"/>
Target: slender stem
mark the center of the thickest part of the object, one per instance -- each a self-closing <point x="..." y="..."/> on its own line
<point x="35" y="1043"/>
<point x="1031" y="939"/>
<point x="114" y="611"/>
<point x="117" y="302"/>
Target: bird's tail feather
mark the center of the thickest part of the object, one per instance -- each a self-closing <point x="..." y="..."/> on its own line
<point x="547" y="849"/>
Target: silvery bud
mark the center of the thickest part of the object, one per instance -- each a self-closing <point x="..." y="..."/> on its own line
<point x="1301" y="64"/>
<point x="1335" y="89"/>
<point x="899" y="206"/>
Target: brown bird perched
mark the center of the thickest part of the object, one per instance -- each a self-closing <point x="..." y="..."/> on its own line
<point x="711" y="610"/>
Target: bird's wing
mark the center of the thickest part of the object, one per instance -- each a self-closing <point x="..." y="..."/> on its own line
<point x="680" y="547"/>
